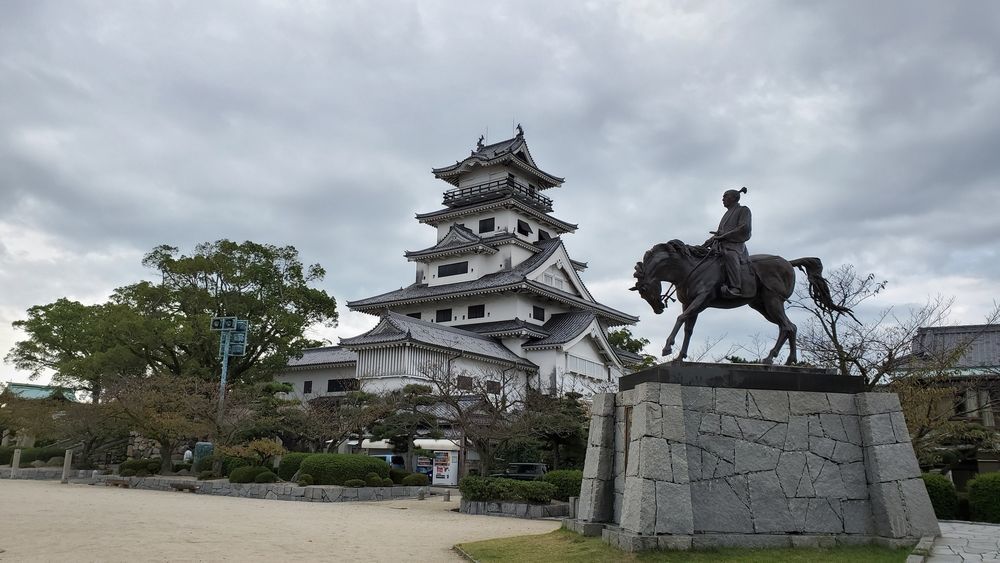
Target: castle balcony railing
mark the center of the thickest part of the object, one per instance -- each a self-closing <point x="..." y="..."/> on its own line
<point x="496" y="189"/>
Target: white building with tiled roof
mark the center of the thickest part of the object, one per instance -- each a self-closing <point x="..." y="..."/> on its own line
<point x="496" y="295"/>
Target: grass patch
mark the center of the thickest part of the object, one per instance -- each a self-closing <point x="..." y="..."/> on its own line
<point x="563" y="545"/>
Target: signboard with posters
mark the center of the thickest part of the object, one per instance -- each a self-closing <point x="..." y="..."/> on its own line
<point x="445" y="468"/>
<point x="425" y="465"/>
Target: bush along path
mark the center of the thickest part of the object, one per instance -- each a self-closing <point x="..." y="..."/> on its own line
<point x="270" y="491"/>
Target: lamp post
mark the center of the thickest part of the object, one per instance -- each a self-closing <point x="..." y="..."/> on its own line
<point x="232" y="342"/>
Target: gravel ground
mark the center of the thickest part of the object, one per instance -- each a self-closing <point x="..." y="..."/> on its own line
<point x="47" y="521"/>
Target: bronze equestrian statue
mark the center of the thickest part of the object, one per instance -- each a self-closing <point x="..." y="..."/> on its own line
<point x="720" y="274"/>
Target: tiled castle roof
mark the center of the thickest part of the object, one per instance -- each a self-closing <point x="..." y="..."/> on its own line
<point x="397" y="328"/>
<point x="513" y="152"/>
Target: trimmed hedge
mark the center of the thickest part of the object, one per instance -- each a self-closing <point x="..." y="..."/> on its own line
<point x="265" y="477"/>
<point x="354" y="483"/>
<point x="566" y="481"/>
<point x="397" y="475"/>
<point x="373" y="480"/>
<point x="984" y="497"/>
<point x="247" y="474"/>
<point x="500" y="489"/>
<point x="337" y="469"/>
<point x="944" y="497"/>
<point x="150" y="466"/>
<point x="228" y="463"/>
<point x="29" y="455"/>
<point x="305" y="480"/>
<point x="387" y="482"/>
<point x="290" y="463"/>
<point x="415" y="480"/>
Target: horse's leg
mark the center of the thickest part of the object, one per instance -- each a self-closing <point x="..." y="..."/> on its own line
<point x="697" y="305"/>
<point x="775" y="309"/>
<point x="669" y="346"/>
<point x="688" y="330"/>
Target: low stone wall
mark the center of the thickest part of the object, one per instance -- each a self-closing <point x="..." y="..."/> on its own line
<point x="269" y="491"/>
<point x="44" y="473"/>
<point x="514" y="509"/>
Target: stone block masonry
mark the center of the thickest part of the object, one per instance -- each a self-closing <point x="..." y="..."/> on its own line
<point x="681" y="465"/>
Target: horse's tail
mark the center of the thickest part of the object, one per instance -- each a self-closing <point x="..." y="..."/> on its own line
<point x="819" y="289"/>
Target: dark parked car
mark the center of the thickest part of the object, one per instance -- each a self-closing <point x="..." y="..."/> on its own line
<point x="523" y="471"/>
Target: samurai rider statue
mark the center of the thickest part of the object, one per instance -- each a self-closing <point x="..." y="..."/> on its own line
<point x="730" y="241"/>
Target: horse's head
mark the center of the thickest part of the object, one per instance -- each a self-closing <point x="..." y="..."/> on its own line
<point x="648" y="287"/>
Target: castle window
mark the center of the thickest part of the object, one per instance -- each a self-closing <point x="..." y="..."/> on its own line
<point x="543" y="235"/>
<point x="341" y="385"/>
<point x="307" y="387"/>
<point x="493" y="387"/>
<point x="538" y="313"/>
<point x="443" y="315"/>
<point x="455" y="269"/>
<point x="487" y="225"/>
<point x="477" y="311"/>
<point x="465" y="382"/>
<point x="582" y="366"/>
<point x="413" y="315"/>
<point x="523" y="227"/>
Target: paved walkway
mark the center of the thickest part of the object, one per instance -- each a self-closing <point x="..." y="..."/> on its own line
<point x="961" y="541"/>
<point x="46" y="521"/>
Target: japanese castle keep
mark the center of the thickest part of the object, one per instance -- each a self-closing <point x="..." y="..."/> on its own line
<point x="496" y="296"/>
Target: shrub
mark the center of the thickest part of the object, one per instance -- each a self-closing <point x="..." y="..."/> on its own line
<point x="290" y="464"/>
<point x="208" y="474"/>
<point x="142" y="473"/>
<point x="55" y="461"/>
<point x="397" y="475"/>
<point x="247" y="473"/>
<point x="387" y="482"/>
<point x="415" y="480"/>
<point x="944" y="498"/>
<point x="354" y="483"/>
<point x="305" y="479"/>
<point x="984" y="497"/>
<point x="6" y="455"/>
<point x="265" y="477"/>
<point x="29" y="455"/>
<point x="337" y="469"/>
<point x="373" y="480"/>
<point x="148" y="466"/>
<point x="228" y="463"/>
<point x="499" y="489"/>
<point x="371" y="475"/>
<point x="127" y="473"/>
<point x="537" y="492"/>
<point x="567" y="482"/>
<point x="181" y="467"/>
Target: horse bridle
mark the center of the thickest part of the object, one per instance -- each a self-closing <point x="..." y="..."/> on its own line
<point x="672" y="290"/>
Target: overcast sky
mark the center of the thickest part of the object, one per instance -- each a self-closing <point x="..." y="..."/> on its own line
<point x="867" y="133"/>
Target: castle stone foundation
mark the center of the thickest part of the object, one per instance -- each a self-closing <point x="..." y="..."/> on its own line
<point x="679" y="465"/>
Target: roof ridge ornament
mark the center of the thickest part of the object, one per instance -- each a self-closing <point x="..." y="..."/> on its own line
<point x="479" y="143"/>
<point x="519" y="130"/>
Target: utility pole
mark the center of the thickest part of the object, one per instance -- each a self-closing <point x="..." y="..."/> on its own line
<point x="232" y="342"/>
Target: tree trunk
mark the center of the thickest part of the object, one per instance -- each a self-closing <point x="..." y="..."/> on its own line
<point x="555" y="456"/>
<point x="166" y="464"/>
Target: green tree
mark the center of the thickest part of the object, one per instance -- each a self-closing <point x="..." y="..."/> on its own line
<point x="622" y="339"/>
<point x="77" y="343"/>
<point x="266" y="284"/>
<point x="409" y="418"/>
<point x="560" y="424"/>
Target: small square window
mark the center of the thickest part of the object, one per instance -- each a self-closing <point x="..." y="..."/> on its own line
<point x="493" y="387"/>
<point x="538" y="313"/>
<point x="464" y="382"/>
<point x="523" y="227"/>
<point x="543" y="235"/>
<point x="487" y="225"/>
<point x="477" y="311"/>
<point x="443" y="315"/>
<point x="307" y="387"/>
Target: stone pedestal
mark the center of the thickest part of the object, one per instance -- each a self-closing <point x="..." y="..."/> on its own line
<point x="680" y="464"/>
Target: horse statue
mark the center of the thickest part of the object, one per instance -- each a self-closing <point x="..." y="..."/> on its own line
<point x="697" y="275"/>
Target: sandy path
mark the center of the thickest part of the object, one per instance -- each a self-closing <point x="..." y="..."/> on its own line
<point x="43" y="520"/>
